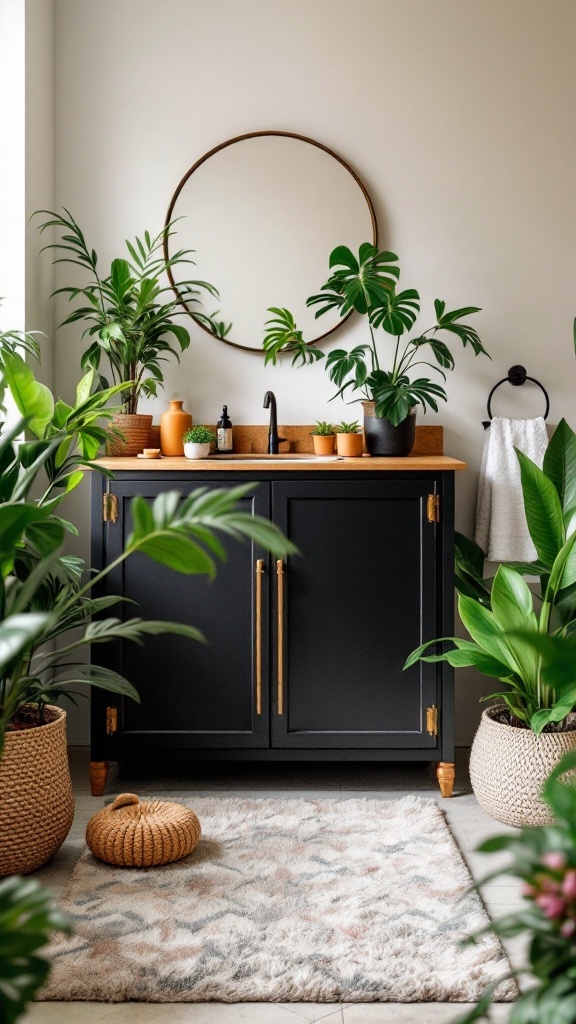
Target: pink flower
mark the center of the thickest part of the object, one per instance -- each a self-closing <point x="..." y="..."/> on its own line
<point x="552" y="906"/>
<point x="528" y="890"/>
<point x="554" y="860"/>
<point x="569" y="884"/>
<point x="568" y="928"/>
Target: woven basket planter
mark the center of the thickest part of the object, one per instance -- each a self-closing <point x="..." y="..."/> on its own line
<point x="36" y="799"/>
<point x="135" y="834"/>
<point x="509" y="766"/>
<point x="135" y="428"/>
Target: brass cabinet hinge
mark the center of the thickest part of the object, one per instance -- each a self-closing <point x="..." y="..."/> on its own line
<point x="111" y="721"/>
<point x="109" y="508"/>
<point x="432" y="720"/>
<point x="433" y="508"/>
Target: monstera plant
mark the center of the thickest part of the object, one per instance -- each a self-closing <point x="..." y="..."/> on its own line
<point x="368" y="284"/>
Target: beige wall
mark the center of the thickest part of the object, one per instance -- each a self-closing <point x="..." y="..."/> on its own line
<point x="458" y="114"/>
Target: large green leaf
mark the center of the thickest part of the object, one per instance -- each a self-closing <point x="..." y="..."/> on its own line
<point x="560" y="467"/>
<point x="18" y="632"/>
<point x="485" y="630"/>
<point x="28" y="917"/>
<point x="513" y="608"/>
<point x="32" y="399"/>
<point x="543" y="510"/>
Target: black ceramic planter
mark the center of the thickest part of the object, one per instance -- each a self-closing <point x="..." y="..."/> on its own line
<point x="383" y="438"/>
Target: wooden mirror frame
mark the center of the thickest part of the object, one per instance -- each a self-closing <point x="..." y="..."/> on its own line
<point x="217" y="149"/>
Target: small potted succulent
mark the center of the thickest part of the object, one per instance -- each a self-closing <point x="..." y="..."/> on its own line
<point x="197" y="442"/>
<point x="324" y="438"/>
<point x="349" y="440"/>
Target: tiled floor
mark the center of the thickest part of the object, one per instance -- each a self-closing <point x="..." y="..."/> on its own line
<point x="468" y="822"/>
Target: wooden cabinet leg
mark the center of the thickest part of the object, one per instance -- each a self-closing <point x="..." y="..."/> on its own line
<point x="98" y="775"/>
<point x="445" y="774"/>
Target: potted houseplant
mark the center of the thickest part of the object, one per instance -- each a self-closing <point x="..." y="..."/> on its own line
<point x="349" y="441"/>
<point x="367" y="284"/>
<point x="197" y="441"/>
<point x="524" y="639"/>
<point x="46" y="597"/>
<point x="323" y="438"/>
<point x="128" y="312"/>
<point x="544" y="861"/>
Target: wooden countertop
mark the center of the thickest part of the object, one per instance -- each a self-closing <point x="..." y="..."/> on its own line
<point x="285" y="464"/>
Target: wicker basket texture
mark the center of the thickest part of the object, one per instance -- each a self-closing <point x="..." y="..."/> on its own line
<point x="508" y="767"/>
<point x="129" y="833"/>
<point x="135" y="428"/>
<point x="36" y="798"/>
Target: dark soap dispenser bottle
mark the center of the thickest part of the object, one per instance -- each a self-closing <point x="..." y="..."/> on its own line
<point x="224" y="441"/>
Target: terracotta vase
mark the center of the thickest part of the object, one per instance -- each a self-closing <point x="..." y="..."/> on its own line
<point x="36" y="799"/>
<point x="323" y="444"/>
<point x="349" y="445"/>
<point x="135" y="431"/>
<point x="173" y="424"/>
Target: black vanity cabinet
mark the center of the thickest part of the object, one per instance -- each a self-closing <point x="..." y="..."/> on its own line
<point x="304" y="657"/>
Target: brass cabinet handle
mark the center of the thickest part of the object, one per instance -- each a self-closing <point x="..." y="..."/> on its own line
<point x="259" y="575"/>
<point x="280" y="631"/>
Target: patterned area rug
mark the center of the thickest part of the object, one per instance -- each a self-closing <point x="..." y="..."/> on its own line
<point x="284" y="900"/>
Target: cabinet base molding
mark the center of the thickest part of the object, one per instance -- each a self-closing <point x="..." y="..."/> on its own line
<point x="445" y="774"/>
<point x="98" y="775"/>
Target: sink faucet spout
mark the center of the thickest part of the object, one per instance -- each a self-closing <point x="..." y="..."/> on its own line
<point x="273" y="439"/>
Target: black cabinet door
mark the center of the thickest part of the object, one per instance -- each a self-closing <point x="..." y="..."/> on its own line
<point x="192" y="694"/>
<point x="361" y="596"/>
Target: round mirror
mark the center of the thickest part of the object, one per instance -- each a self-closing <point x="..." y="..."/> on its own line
<point x="262" y="213"/>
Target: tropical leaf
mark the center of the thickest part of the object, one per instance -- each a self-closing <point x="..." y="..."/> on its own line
<point x="560" y="468"/>
<point x="356" y="283"/>
<point x="33" y="399"/>
<point x="543" y="510"/>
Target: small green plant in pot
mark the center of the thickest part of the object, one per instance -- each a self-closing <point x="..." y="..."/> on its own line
<point x="128" y="312"/>
<point x="525" y="639"/>
<point x="367" y="284"/>
<point x="197" y="441"/>
<point x="349" y="440"/>
<point x="323" y="438"/>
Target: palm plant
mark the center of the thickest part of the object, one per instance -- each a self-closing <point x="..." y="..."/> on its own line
<point x="127" y="312"/>
<point x="45" y="595"/>
<point x="367" y="284"/>
<point x="527" y="640"/>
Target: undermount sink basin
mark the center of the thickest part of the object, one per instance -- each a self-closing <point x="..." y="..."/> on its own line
<point x="282" y="457"/>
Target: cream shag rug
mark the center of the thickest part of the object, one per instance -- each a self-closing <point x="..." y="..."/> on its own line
<point x="284" y="900"/>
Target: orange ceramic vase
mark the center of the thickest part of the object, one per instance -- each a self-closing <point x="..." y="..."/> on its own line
<point x="173" y="423"/>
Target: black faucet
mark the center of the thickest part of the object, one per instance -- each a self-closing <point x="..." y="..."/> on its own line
<point x="273" y="439"/>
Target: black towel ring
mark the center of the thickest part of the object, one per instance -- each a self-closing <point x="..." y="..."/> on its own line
<point x="516" y="377"/>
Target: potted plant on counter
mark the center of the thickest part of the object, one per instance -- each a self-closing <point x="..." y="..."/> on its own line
<point x="526" y="640"/>
<point x="323" y="438"/>
<point x="367" y="284"/>
<point x="349" y="441"/>
<point x="197" y="441"/>
<point x="128" y="313"/>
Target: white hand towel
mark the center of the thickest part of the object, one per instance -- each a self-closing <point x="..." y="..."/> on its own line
<point x="501" y="527"/>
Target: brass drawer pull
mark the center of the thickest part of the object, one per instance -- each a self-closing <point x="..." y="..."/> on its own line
<point x="259" y="575"/>
<point x="280" y="630"/>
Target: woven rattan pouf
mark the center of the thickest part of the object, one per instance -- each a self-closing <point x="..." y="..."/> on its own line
<point x="141" y="835"/>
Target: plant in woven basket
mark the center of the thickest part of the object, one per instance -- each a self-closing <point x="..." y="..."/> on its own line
<point x="367" y="284"/>
<point x="517" y="636"/>
<point x="27" y="919"/>
<point x="544" y="860"/>
<point x="127" y="311"/>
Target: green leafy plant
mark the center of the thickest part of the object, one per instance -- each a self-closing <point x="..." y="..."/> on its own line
<point x="46" y="595"/>
<point x="198" y="435"/>
<point x="127" y="313"/>
<point x="348" y="428"/>
<point x="527" y="640"/>
<point x="27" y="919"/>
<point x="282" y="335"/>
<point x="544" y="859"/>
<point x="367" y="284"/>
<point x="322" y="429"/>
